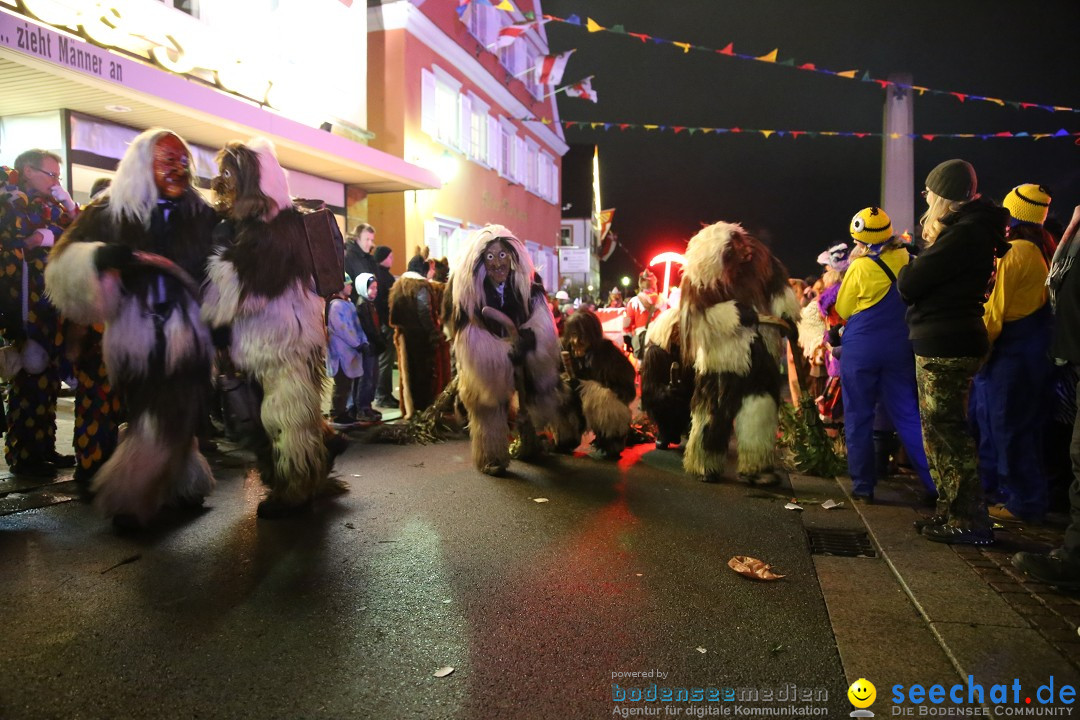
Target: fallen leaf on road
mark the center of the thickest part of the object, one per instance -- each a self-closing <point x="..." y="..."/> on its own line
<point x="350" y="526"/>
<point x="444" y="671"/>
<point x="793" y="506"/>
<point x="540" y="499"/>
<point x="752" y="568"/>
<point x="702" y="650"/>
<point x="417" y="465"/>
<point x="830" y="504"/>
<point x="640" y="574"/>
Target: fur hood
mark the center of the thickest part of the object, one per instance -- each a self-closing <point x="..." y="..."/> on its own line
<point x="468" y="286"/>
<point x="704" y="253"/>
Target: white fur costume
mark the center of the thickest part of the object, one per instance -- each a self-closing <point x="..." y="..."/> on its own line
<point x="156" y="349"/>
<point x="486" y="373"/>
<point x="262" y="286"/>
<point x="736" y="359"/>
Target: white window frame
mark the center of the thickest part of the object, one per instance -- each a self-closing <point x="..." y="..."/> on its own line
<point x="508" y="149"/>
<point x="532" y="166"/>
<point x="478" y="147"/>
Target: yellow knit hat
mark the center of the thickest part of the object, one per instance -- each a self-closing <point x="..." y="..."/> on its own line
<point x="871" y="226"/>
<point x="1028" y="203"/>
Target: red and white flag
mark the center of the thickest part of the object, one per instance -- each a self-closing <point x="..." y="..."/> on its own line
<point x="582" y="90"/>
<point x="549" y="68"/>
<point x="510" y="33"/>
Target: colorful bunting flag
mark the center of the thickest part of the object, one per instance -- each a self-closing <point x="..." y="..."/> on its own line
<point x="549" y="68"/>
<point x="772" y="56"/>
<point x="510" y="33"/>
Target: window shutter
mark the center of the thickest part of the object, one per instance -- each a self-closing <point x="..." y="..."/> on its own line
<point x="494" y="135"/>
<point x="463" y="140"/>
<point x="428" y="115"/>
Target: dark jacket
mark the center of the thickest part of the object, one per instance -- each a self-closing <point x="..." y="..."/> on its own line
<point x="357" y="262"/>
<point x="946" y="285"/>
<point x="382" y="299"/>
<point x="607" y="365"/>
<point x="1066" y="343"/>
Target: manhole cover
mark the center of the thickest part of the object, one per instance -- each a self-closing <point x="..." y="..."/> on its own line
<point x="845" y="543"/>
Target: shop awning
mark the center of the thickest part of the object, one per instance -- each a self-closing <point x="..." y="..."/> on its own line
<point x="42" y="70"/>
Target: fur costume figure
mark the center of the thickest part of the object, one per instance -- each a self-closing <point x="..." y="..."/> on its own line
<point x="602" y="384"/>
<point x="666" y="384"/>
<point x="417" y="336"/>
<point x="513" y="350"/>
<point x="263" y="287"/>
<point x="736" y="303"/>
<point x="132" y="260"/>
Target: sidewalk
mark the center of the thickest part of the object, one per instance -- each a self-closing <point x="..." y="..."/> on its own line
<point x="988" y="620"/>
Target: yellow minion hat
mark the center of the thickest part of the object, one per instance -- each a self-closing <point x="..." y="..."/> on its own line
<point x="871" y="226"/>
<point x="1028" y="203"/>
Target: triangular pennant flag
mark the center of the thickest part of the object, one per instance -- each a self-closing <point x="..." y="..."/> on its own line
<point x="883" y="83"/>
<point x="623" y="126"/>
<point x="617" y="29"/>
<point x="692" y="130"/>
<point x="796" y="133"/>
<point x="1020" y="134"/>
<point x="736" y="130"/>
<point x="866" y="76"/>
<point x="531" y="15"/>
<point x="919" y="88"/>
<point x="827" y="133"/>
<point x="1040" y="136"/>
<point x="607" y="126"/>
<point x="728" y="50"/>
<point x="790" y="62"/>
<point x="959" y="96"/>
<point x="770" y="57"/>
<point x="573" y="20"/>
<point x="1062" y="133"/>
<point x="766" y="133"/>
<point x="1059" y="108"/>
<point x="678" y="128"/>
<point x="594" y="26"/>
<point x="894" y="136"/>
<point x="1015" y="105"/>
<point x="1004" y="134"/>
<point x="596" y="125"/>
<point x="685" y="46"/>
<point x="505" y="5"/>
<point x="546" y="120"/>
<point x="928" y="137"/>
<point x="808" y="66"/>
<point x="706" y="131"/>
<point x="650" y="127"/>
<point x="861" y="135"/>
<point x="640" y="36"/>
<point x="850" y="74"/>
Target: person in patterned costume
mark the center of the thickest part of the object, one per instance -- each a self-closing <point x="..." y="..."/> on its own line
<point x="34" y="210"/>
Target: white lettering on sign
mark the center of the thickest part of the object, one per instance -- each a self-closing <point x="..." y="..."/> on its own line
<point x="36" y="41"/>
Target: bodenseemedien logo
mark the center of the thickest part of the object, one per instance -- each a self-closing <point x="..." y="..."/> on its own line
<point x="862" y="694"/>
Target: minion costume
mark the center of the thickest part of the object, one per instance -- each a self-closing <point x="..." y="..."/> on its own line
<point x="1011" y="392"/>
<point x="878" y="364"/>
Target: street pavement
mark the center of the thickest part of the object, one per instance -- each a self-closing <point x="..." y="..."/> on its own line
<point x="540" y="608"/>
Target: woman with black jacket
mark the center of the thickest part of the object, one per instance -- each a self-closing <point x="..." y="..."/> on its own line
<point x="945" y="287"/>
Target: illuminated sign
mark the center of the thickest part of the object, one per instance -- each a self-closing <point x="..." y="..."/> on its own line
<point x="137" y="27"/>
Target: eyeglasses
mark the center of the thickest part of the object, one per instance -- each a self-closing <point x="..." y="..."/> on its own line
<point x="54" y="176"/>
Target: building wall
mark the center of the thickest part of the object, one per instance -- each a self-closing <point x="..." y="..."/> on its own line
<point x="477" y="194"/>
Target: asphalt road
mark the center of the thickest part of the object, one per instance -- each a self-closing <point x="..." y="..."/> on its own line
<point x="426" y="563"/>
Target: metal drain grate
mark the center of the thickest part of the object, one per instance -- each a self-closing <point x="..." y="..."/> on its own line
<point x="845" y="543"/>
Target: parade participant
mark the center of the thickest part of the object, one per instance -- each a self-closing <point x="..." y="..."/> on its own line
<point x="641" y="310"/>
<point x="384" y="390"/>
<point x="666" y="384"/>
<point x="263" y="287"/>
<point x="878" y="363"/>
<point x="736" y="304"/>
<point x="602" y="384"/>
<point x="1061" y="567"/>
<point x="34" y="210"/>
<point x="511" y="350"/>
<point x="615" y="299"/>
<point x="347" y="343"/>
<point x="370" y="323"/>
<point x="133" y="261"/>
<point x="945" y="287"/>
<point x="417" y="336"/>
<point x="1010" y="395"/>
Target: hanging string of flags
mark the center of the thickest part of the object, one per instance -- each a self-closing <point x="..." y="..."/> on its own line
<point x="772" y="57"/>
<point x="678" y="129"/>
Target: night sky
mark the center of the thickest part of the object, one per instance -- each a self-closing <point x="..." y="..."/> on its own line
<point x="799" y="194"/>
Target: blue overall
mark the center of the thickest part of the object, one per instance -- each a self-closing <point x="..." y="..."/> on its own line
<point x="1009" y="403"/>
<point x="878" y="365"/>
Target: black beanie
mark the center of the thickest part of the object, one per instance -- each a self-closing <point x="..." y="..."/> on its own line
<point x="381" y="253"/>
<point x="952" y="180"/>
<point x="418" y="265"/>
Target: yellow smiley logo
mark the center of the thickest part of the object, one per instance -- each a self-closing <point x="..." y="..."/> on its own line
<point x="862" y="693"/>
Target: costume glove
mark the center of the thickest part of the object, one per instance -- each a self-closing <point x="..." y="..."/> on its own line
<point x="61" y="196"/>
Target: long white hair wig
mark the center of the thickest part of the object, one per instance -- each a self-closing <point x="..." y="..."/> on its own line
<point x="133" y="194"/>
<point x="469" y="283"/>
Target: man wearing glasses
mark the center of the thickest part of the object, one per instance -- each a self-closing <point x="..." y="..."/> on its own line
<point x="34" y="210"/>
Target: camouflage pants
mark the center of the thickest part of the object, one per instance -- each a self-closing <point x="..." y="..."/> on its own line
<point x="944" y="384"/>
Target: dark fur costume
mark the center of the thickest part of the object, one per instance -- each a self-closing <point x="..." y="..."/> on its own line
<point x="666" y="383"/>
<point x="603" y="385"/>
<point x="490" y="367"/>
<point x="156" y="349"/>
<point x="417" y="337"/>
<point x="729" y="279"/>
<point x="263" y="287"/>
